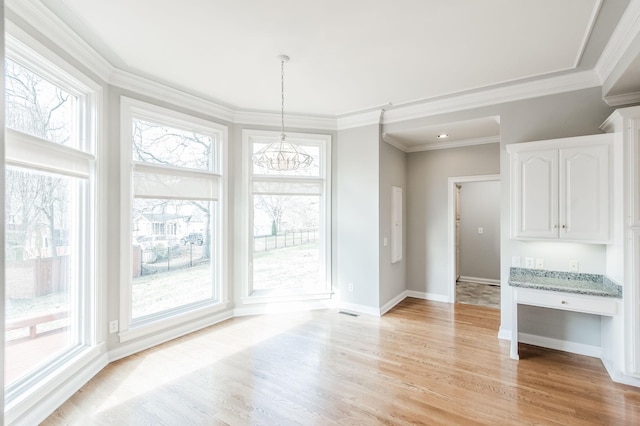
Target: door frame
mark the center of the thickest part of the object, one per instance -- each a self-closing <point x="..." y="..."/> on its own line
<point x="451" y="245"/>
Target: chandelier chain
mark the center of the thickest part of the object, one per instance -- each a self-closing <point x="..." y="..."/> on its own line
<point x="282" y="99"/>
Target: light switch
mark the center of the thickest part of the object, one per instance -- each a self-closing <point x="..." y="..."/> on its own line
<point x="515" y="261"/>
<point x="539" y="263"/>
<point x="385" y="241"/>
<point x="480" y="230"/>
<point x="528" y="262"/>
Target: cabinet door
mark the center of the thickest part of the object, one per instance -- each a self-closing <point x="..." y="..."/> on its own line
<point x="535" y="194"/>
<point x="584" y="193"/>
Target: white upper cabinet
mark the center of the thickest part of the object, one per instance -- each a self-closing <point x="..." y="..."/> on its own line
<point x="560" y="189"/>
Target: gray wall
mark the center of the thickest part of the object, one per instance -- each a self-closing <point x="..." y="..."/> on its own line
<point x="480" y="208"/>
<point x="568" y="114"/>
<point x="357" y="220"/>
<point x="427" y="205"/>
<point x="393" y="276"/>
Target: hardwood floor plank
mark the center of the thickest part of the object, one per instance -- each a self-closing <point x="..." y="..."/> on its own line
<point x="422" y="363"/>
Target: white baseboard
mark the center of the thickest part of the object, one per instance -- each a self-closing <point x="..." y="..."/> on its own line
<point x="504" y="334"/>
<point x="359" y="309"/>
<point x="136" y="346"/>
<point x="393" y="302"/>
<point x="428" y="296"/>
<point x="619" y="377"/>
<point x="560" y="345"/>
<point x="488" y="281"/>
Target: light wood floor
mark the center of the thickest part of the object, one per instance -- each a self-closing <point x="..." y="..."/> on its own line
<point x="422" y="363"/>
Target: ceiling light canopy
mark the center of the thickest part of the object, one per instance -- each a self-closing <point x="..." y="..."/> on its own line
<point x="282" y="155"/>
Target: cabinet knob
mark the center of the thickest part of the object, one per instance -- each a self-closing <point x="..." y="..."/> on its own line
<point x="564" y="302"/>
<point x="564" y="226"/>
<point x="555" y="226"/>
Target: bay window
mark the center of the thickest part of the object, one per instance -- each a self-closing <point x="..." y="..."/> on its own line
<point x="172" y="197"/>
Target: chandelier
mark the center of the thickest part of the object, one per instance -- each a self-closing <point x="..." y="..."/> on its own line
<point x="282" y="155"/>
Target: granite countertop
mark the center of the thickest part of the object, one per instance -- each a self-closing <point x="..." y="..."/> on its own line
<point x="568" y="282"/>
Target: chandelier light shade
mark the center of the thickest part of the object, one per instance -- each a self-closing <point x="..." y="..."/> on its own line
<point x="282" y="155"/>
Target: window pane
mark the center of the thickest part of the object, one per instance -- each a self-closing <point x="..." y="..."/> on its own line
<point x="42" y="263"/>
<point x="171" y="255"/>
<point x="39" y="107"/>
<point x="312" y="170"/>
<point x="159" y="144"/>
<point x="286" y="243"/>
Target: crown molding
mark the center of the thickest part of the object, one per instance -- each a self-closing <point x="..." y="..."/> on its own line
<point x="52" y="27"/>
<point x="625" y="32"/>
<point x="395" y="142"/>
<point x="391" y="140"/>
<point x="293" y="121"/>
<point x="624" y="99"/>
<point x="147" y="87"/>
<point x="513" y="92"/>
<point x="359" y="119"/>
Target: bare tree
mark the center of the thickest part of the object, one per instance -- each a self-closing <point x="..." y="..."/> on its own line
<point x="39" y="108"/>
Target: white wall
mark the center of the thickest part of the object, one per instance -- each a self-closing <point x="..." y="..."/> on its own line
<point x="428" y="207"/>
<point x="480" y="208"/>
<point x="393" y="276"/>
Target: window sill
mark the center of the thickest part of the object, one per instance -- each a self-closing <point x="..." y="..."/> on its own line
<point x="176" y="319"/>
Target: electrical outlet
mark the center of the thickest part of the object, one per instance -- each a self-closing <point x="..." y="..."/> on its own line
<point x="539" y="263"/>
<point x="515" y="261"/>
<point x="350" y="287"/>
<point x="480" y="230"/>
<point x="528" y="262"/>
<point x="113" y="326"/>
<point x="573" y="266"/>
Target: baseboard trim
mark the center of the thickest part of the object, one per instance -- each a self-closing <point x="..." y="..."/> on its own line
<point x="157" y="339"/>
<point x="619" y="377"/>
<point x="359" y="309"/>
<point x="392" y="303"/>
<point x="504" y="334"/>
<point x="560" y="345"/>
<point x="428" y="296"/>
<point x="487" y="281"/>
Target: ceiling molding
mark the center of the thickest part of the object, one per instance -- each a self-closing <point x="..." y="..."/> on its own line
<point x="52" y="27"/>
<point x="147" y="87"/>
<point x="394" y="142"/>
<point x="359" y="120"/>
<point x="592" y="22"/>
<point x="515" y="92"/>
<point x="623" y="35"/>
<point x="292" y="121"/>
<point x="624" y="99"/>
<point x="391" y="140"/>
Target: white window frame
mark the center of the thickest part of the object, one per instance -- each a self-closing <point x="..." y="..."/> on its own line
<point x="36" y="154"/>
<point x="133" y="108"/>
<point x="249" y="137"/>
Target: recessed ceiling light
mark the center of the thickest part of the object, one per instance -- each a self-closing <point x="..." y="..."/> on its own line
<point x="443" y="136"/>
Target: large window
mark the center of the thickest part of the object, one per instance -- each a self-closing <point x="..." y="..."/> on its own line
<point x="288" y="220"/>
<point x="172" y="201"/>
<point x="49" y="211"/>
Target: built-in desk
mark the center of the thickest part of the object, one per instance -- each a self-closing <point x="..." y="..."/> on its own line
<point x="568" y="291"/>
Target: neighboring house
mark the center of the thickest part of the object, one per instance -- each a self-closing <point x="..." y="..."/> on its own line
<point x="167" y="225"/>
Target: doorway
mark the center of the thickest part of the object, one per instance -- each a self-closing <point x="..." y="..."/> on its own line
<point x="474" y="240"/>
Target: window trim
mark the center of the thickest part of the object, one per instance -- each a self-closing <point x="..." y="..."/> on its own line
<point x="246" y="245"/>
<point x="129" y="108"/>
<point x="83" y="162"/>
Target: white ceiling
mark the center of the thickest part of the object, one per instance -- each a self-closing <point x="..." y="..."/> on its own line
<point x="346" y="55"/>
